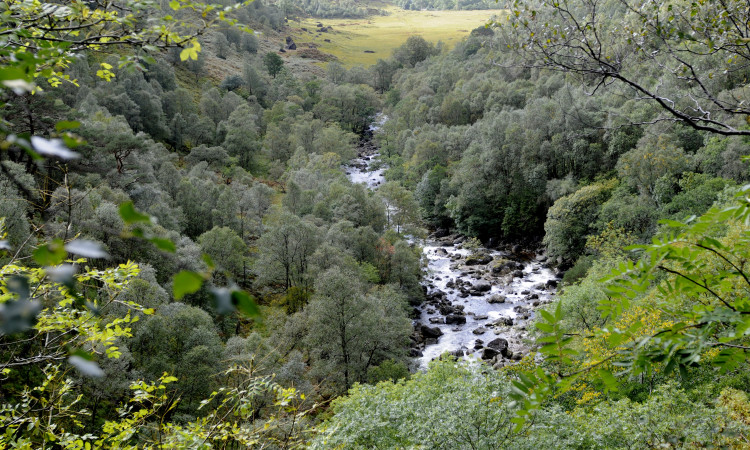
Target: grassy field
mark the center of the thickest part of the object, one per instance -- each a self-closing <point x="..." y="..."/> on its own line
<point x="350" y="38"/>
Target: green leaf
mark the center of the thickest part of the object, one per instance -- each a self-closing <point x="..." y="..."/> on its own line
<point x="209" y="262"/>
<point x="66" y="125"/>
<point x="164" y="244"/>
<point x="547" y="328"/>
<point x="558" y="312"/>
<point x="50" y="254"/>
<point x="609" y="380"/>
<point x="547" y="316"/>
<point x="130" y="215"/>
<point x="245" y="304"/>
<point x="12" y="73"/>
<point x="186" y="282"/>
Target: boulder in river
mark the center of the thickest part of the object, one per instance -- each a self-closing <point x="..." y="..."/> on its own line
<point x="478" y="259"/>
<point x="455" y="319"/>
<point x="504" y="267"/>
<point x="489" y="353"/>
<point x="447" y="310"/>
<point x="430" y="332"/>
<point x="479" y="331"/>
<point x="440" y="233"/>
<point x="482" y="286"/>
<point x="504" y="321"/>
<point x="496" y="347"/>
<point x="496" y="299"/>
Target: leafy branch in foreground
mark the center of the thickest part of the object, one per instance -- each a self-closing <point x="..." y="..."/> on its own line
<point x="41" y="39"/>
<point x="697" y="278"/>
<point x="700" y="49"/>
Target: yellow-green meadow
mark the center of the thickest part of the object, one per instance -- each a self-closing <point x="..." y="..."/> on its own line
<point x="364" y="41"/>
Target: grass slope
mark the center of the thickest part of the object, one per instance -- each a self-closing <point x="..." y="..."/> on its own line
<point x="350" y="38"/>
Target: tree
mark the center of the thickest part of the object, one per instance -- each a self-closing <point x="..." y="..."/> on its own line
<point x="353" y="107"/>
<point x="335" y="72"/>
<point x="232" y="82"/>
<point x="181" y="340"/>
<point x="250" y="43"/>
<point x="222" y="45"/>
<point x="284" y="251"/>
<point x="415" y="50"/>
<point x="383" y="72"/>
<point x="226" y="249"/>
<point x="243" y="141"/>
<point x="572" y="218"/>
<point x="401" y="207"/>
<point x="254" y="82"/>
<point x="351" y="331"/>
<point x="273" y="63"/>
<point x="649" y="161"/>
<point x="701" y="49"/>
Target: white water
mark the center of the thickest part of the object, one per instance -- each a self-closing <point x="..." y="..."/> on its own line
<point x="442" y="269"/>
<point x="445" y="267"/>
<point x="362" y="169"/>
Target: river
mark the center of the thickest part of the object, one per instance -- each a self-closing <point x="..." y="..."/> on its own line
<point x="479" y="301"/>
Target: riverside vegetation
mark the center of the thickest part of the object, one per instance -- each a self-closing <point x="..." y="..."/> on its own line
<point x="185" y="263"/>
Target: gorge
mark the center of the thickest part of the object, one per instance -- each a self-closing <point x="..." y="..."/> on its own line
<point x="479" y="301"/>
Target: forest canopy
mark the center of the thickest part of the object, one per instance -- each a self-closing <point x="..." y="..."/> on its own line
<point x="186" y="262"/>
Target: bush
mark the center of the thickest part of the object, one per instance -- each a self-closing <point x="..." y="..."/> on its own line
<point x="250" y="43"/>
<point x="571" y="219"/>
<point x="232" y="82"/>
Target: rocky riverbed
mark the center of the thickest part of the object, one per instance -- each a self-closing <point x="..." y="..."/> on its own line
<point x="479" y="301"/>
<point x="366" y="167"/>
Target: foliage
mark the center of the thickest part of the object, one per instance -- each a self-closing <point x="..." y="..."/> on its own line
<point x="449" y="406"/>
<point x="352" y="330"/>
<point x="570" y="219"/>
<point x="699" y="45"/>
<point x="460" y="405"/>
<point x="36" y="48"/>
<point x="273" y="63"/>
<point x="687" y="279"/>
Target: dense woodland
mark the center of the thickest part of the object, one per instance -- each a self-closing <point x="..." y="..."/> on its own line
<point x="186" y="265"/>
